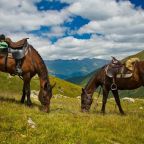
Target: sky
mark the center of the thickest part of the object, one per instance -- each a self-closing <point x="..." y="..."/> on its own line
<point x="76" y="29"/>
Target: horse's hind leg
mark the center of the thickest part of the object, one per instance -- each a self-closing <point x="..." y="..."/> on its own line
<point x="116" y="96"/>
<point x="105" y="96"/>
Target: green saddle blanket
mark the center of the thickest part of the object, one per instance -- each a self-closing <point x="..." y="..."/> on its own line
<point x="3" y="48"/>
<point x="3" y="45"/>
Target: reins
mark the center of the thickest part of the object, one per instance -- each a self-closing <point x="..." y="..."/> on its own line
<point x="96" y="104"/>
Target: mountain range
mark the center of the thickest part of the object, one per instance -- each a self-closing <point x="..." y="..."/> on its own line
<point x="67" y="69"/>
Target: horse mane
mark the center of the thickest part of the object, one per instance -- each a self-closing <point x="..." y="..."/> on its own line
<point x="94" y="75"/>
<point x="42" y="71"/>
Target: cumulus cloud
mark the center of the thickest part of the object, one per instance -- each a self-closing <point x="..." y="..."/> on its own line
<point x="24" y="16"/>
<point x="120" y="23"/>
<point x="116" y="28"/>
<point x="55" y="31"/>
<point x="98" y="47"/>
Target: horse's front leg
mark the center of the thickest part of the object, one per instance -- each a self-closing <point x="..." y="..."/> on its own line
<point x="104" y="101"/>
<point x="29" y="103"/>
<point x="116" y="96"/>
<point x="24" y="94"/>
<point x="26" y="91"/>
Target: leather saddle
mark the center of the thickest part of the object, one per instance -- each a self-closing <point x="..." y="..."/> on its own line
<point x="18" y="53"/>
<point x="16" y="50"/>
<point x="117" y="69"/>
<point x="16" y="45"/>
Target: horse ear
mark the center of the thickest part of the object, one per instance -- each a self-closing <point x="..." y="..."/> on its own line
<point x="83" y="90"/>
<point x="53" y="85"/>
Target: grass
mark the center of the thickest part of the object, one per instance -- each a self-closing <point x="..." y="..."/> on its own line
<point x="14" y="85"/>
<point x="65" y="124"/>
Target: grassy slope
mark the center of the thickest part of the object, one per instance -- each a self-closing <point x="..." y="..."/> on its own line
<point x="67" y="125"/>
<point x="140" y="55"/>
<point x="14" y="85"/>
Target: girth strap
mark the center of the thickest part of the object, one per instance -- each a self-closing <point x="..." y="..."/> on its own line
<point x="5" y="62"/>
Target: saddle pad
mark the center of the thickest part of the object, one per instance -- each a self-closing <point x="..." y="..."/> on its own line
<point x="119" y="75"/>
<point x="124" y="75"/>
<point x="3" y="45"/>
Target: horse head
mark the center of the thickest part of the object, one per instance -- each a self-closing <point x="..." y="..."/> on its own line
<point x="86" y="100"/>
<point x="45" y="95"/>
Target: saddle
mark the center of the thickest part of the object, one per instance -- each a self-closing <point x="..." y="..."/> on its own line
<point x="16" y="50"/>
<point x="16" y="45"/>
<point x="115" y="70"/>
<point x="18" y="53"/>
<point x="118" y="69"/>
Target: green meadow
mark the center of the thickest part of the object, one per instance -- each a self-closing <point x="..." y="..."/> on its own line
<point x="65" y="124"/>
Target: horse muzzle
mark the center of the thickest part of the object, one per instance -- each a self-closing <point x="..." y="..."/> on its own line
<point x="46" y="108"/>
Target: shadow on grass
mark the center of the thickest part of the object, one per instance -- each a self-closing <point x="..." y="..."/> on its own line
<point x="13" y="100"/>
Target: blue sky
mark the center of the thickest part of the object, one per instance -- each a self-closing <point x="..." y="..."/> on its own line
<point x="76" y="29"/>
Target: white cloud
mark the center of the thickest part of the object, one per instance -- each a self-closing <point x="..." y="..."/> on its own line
<point x="98" y="47"/>
<point x="24" y="16"/>
<point x="120" y="23"/>
<point x="55" y="31"/>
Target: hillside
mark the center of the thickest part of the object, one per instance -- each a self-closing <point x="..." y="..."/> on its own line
<point x="67" y="69"/>
<point x="140" y="55"/>
<point x="14" y="85"/>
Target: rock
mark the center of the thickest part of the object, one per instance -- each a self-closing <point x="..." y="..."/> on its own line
<point x="78" y="97"/>
<point x="131" y="100"/>
<point x="31" y="123"/>
<point x="9" y="76"/>
<point x="59" y="96"/>
<point x="34" y="94"/>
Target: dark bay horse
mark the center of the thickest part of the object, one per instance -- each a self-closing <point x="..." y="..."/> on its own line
<point x="101" y="79"/>
<point x="32" y="64"/>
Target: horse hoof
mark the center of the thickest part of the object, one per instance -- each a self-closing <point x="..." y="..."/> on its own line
<point x="46" y="109"/>
<point x="84" y="111"/>
<point x="22" y="102"/>
<point x="29" y="104"/>
<point x="102" y="112"/>
<point x="122" y="113"/>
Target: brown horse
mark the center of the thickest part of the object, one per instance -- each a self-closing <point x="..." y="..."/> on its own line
<point x="101" y="79"/>
<point x="32" y="64"/>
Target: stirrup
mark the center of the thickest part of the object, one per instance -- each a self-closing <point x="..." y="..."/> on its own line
<point x="113" y="86"/>
<point x="18" y="71"/>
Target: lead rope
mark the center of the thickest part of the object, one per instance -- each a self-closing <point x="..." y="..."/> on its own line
<point x="96" y="104"/>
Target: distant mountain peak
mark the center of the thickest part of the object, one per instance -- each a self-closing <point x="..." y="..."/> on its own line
<point x="71" y="68"/>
